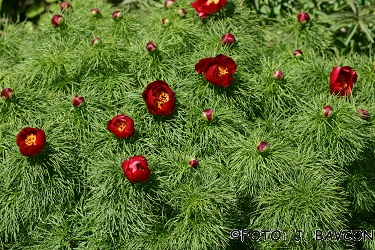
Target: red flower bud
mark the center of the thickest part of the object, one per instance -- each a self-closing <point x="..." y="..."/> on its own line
<point x="227" y="39"/>
<point x="150" y="46"/>
<point x="208" y="115"/>
<point x="136" y="169"/>
<point x="169" y="3"/>
<point x="363" y="114"/>
<point x="278" y="74"/>
<point x="7" y="93"/>
<point x="297" y="53"/>
<point x="218" y="70"/>
<point x="95" y="12"/>
<point x="117" y="15"/>
<point x="166" y="22"/>
<point x="57" y="20"/>
<point x="31" y="141"/>
<point x="78" y="101"/>
<point x="327" y="111"/>
<point x="159" y="98"/>
<point x="65" y="6"/>
<point x="193" y="163"/>
<point x="96" y="42"/>
<point x="121" y="126"/>
<point x="263" y="147"/>
<point x="182" y="12"/>
<point x="303" y="17"/>
<point x="207" y="7"/>
<point x="342" y="80"/>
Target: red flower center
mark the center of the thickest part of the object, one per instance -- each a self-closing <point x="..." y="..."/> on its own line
<point x="30" y="140"/>
<point x="221" y="71"/>
<point x="139" y="166"/>
<point x="120" y="125"/>
<point x="343" y="82"/>
<point x="160" y="98"/>
<point x="212" y="1"/>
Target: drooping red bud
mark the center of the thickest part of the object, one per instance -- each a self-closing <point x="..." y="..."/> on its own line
<point x="363" y="114"/>
<point x="194" y="163"/>
<point x="117" y="15"/>
<point x="228" y="39"/>
<point x="278" y="74"/>
<point x="208" y="115"/>
<point x="327" y="111"/>
<point x="96" y="41"/>
<point x="182" y="12"/>
<point x="169" y="3"/>
<point x="57" y="20"/>
<point x="95" y="12"/>
<point x="303" y="17"/>
<point x="150" y="46"/>
<point x="65" y="6"/>
<point x="297" y="53"/>
<point x="78" y="101"/>
<point x="7" y="93"/>
<point x="263" y="147"/>
<point x="166" y="22"/>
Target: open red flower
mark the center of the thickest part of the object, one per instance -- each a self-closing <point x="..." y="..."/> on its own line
<point x="136" y="169"/>
<point x="207" y="7"/>
<point x="219" y="70"/>
<point x="121" y="126"/>
<point x="342" y="80"/>
<point x="159" y="98"/>
<point x="31" y="141"/>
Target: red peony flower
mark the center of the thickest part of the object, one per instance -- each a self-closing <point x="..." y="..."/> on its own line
<point x="208" y="115"/>
<point x="327" y="111"/>
<point x="65" y="5"/>
<point x="194" y="163"/>
<point x="121" y="126"/>
<point x="207" y="7"/>
<point x="57" y="20"/>
<point x="219" y="70"/>
<point x="95" y="12"/>
<point x="228" y="39"/>
<point x="7" y="93"/>
<point x="303" y="17"/>
<point x="78" y="101"/>
<point x="342" y="80"/>
<point x="263" y="147"/>
<point x="363" y="114"/>
<point x="136" y="169"/>
<point x="31" y="141"/>
<point x="117" y="15"/>
<point x="159" y="98"/>
<point x="150" y="46"/>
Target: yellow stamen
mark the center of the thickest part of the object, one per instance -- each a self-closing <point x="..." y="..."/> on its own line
<point x="120" y="125"/>
<point x="344" y="83"/>
<point x="212" y="1"/>
<point x="160" y="98"/>
<point x="222" y="71"/>
<point x="30" y="140"/>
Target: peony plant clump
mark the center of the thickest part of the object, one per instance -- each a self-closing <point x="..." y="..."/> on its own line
<point x="206" y="131"/>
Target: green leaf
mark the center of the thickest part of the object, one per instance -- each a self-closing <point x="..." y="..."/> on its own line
<point x="366" y="30"/>
<point x="351" y="34"/>
<point x="343" y="23"/>
<point x="354" y="8"/>
<point x="256" y="2"/>
<point x="1" y="2"/>
<point x="35" y="10"/>
<point x="51" y="1"/>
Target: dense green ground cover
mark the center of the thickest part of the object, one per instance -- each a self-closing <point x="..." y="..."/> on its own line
<point x="319" y="173"/>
